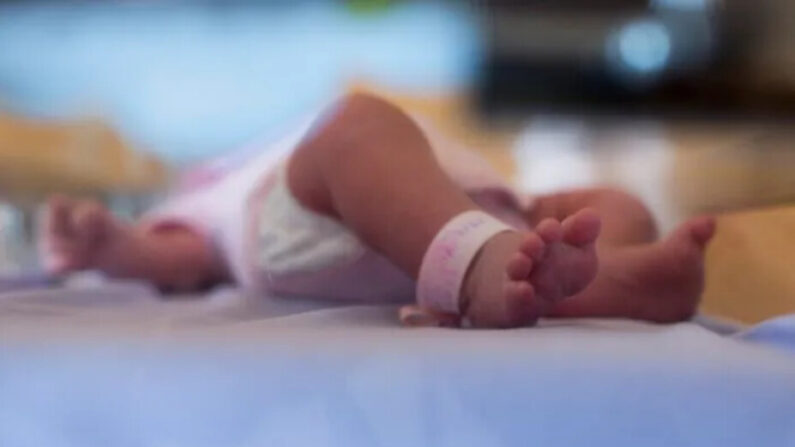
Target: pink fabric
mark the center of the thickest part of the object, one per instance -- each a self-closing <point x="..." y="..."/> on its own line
<point x="222" y="209"/>
<point x="218" y="208"/>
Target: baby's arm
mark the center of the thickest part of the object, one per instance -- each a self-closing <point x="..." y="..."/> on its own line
<point x="81" y="234"/>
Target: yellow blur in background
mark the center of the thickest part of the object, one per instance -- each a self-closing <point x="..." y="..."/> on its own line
<point x="40" y="157"/>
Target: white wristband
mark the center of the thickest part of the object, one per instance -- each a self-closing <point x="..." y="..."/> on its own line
<point x="448" y="257"/>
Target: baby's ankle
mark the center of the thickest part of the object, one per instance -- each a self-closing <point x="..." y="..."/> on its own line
<point x="483" y="283"/>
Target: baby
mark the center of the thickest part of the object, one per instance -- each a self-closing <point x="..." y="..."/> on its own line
<point x="366" y="203"/>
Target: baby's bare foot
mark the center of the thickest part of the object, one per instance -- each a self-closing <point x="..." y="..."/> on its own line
<point x="517" y="276"/>
<point x="77" y="234"/>
<point x="570" y="263"/>
<point x="670" y="273"/>
<point x="660" y="282"/>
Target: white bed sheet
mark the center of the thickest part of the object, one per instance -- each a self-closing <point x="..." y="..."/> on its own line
<point x="114" y="365"/>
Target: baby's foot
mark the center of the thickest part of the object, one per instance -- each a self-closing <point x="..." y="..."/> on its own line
<point x="78" y="234"/>
<point x="670" y="274"/>
<point x="660" y="282"/>
<point x="517" y="276"/>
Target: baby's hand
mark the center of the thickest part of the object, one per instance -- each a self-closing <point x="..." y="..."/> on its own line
<point x="74" y="233"/>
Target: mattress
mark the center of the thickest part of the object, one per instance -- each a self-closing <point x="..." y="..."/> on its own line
<point x="99" y="364"/>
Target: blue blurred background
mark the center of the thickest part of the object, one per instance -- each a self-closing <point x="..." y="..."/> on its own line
<point x="190" y="79"/>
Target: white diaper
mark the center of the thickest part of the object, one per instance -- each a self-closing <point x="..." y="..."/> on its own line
<point x="295" y="251"/>
<point x="290" y="239"/>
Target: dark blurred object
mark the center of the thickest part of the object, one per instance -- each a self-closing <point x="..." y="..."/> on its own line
<point x="731" y="58"/>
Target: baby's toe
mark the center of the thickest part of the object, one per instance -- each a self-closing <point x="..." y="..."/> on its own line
<point x="519" y="291"/>
<point x="521" y="305"/>
<point x="581" y="228"/>
<point x="702" y="229"/>
<point x="519" y="267"/>
<point x="549" y="230"/>
<point x="532" y="246"/>
<point x="695" y="232"/>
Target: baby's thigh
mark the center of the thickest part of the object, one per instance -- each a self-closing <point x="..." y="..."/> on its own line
<point x="296" y="251"/>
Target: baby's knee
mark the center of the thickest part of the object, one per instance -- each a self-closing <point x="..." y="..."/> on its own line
<point x="619" y="197"/>
<point x="625" y="204"/>
<point x="363" y="105"/>
<point x="361" y="123"/>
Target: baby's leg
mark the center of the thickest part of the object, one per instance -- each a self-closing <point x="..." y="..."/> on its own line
<point x="368" y="165"/>
<point x="82" y="234"/>
<point x="639" y="276"/>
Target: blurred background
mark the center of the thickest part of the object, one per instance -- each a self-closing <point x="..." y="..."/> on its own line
<point x="688" y="103"/>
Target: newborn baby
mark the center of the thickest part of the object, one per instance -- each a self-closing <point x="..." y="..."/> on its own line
<point x="366" y="203"/>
